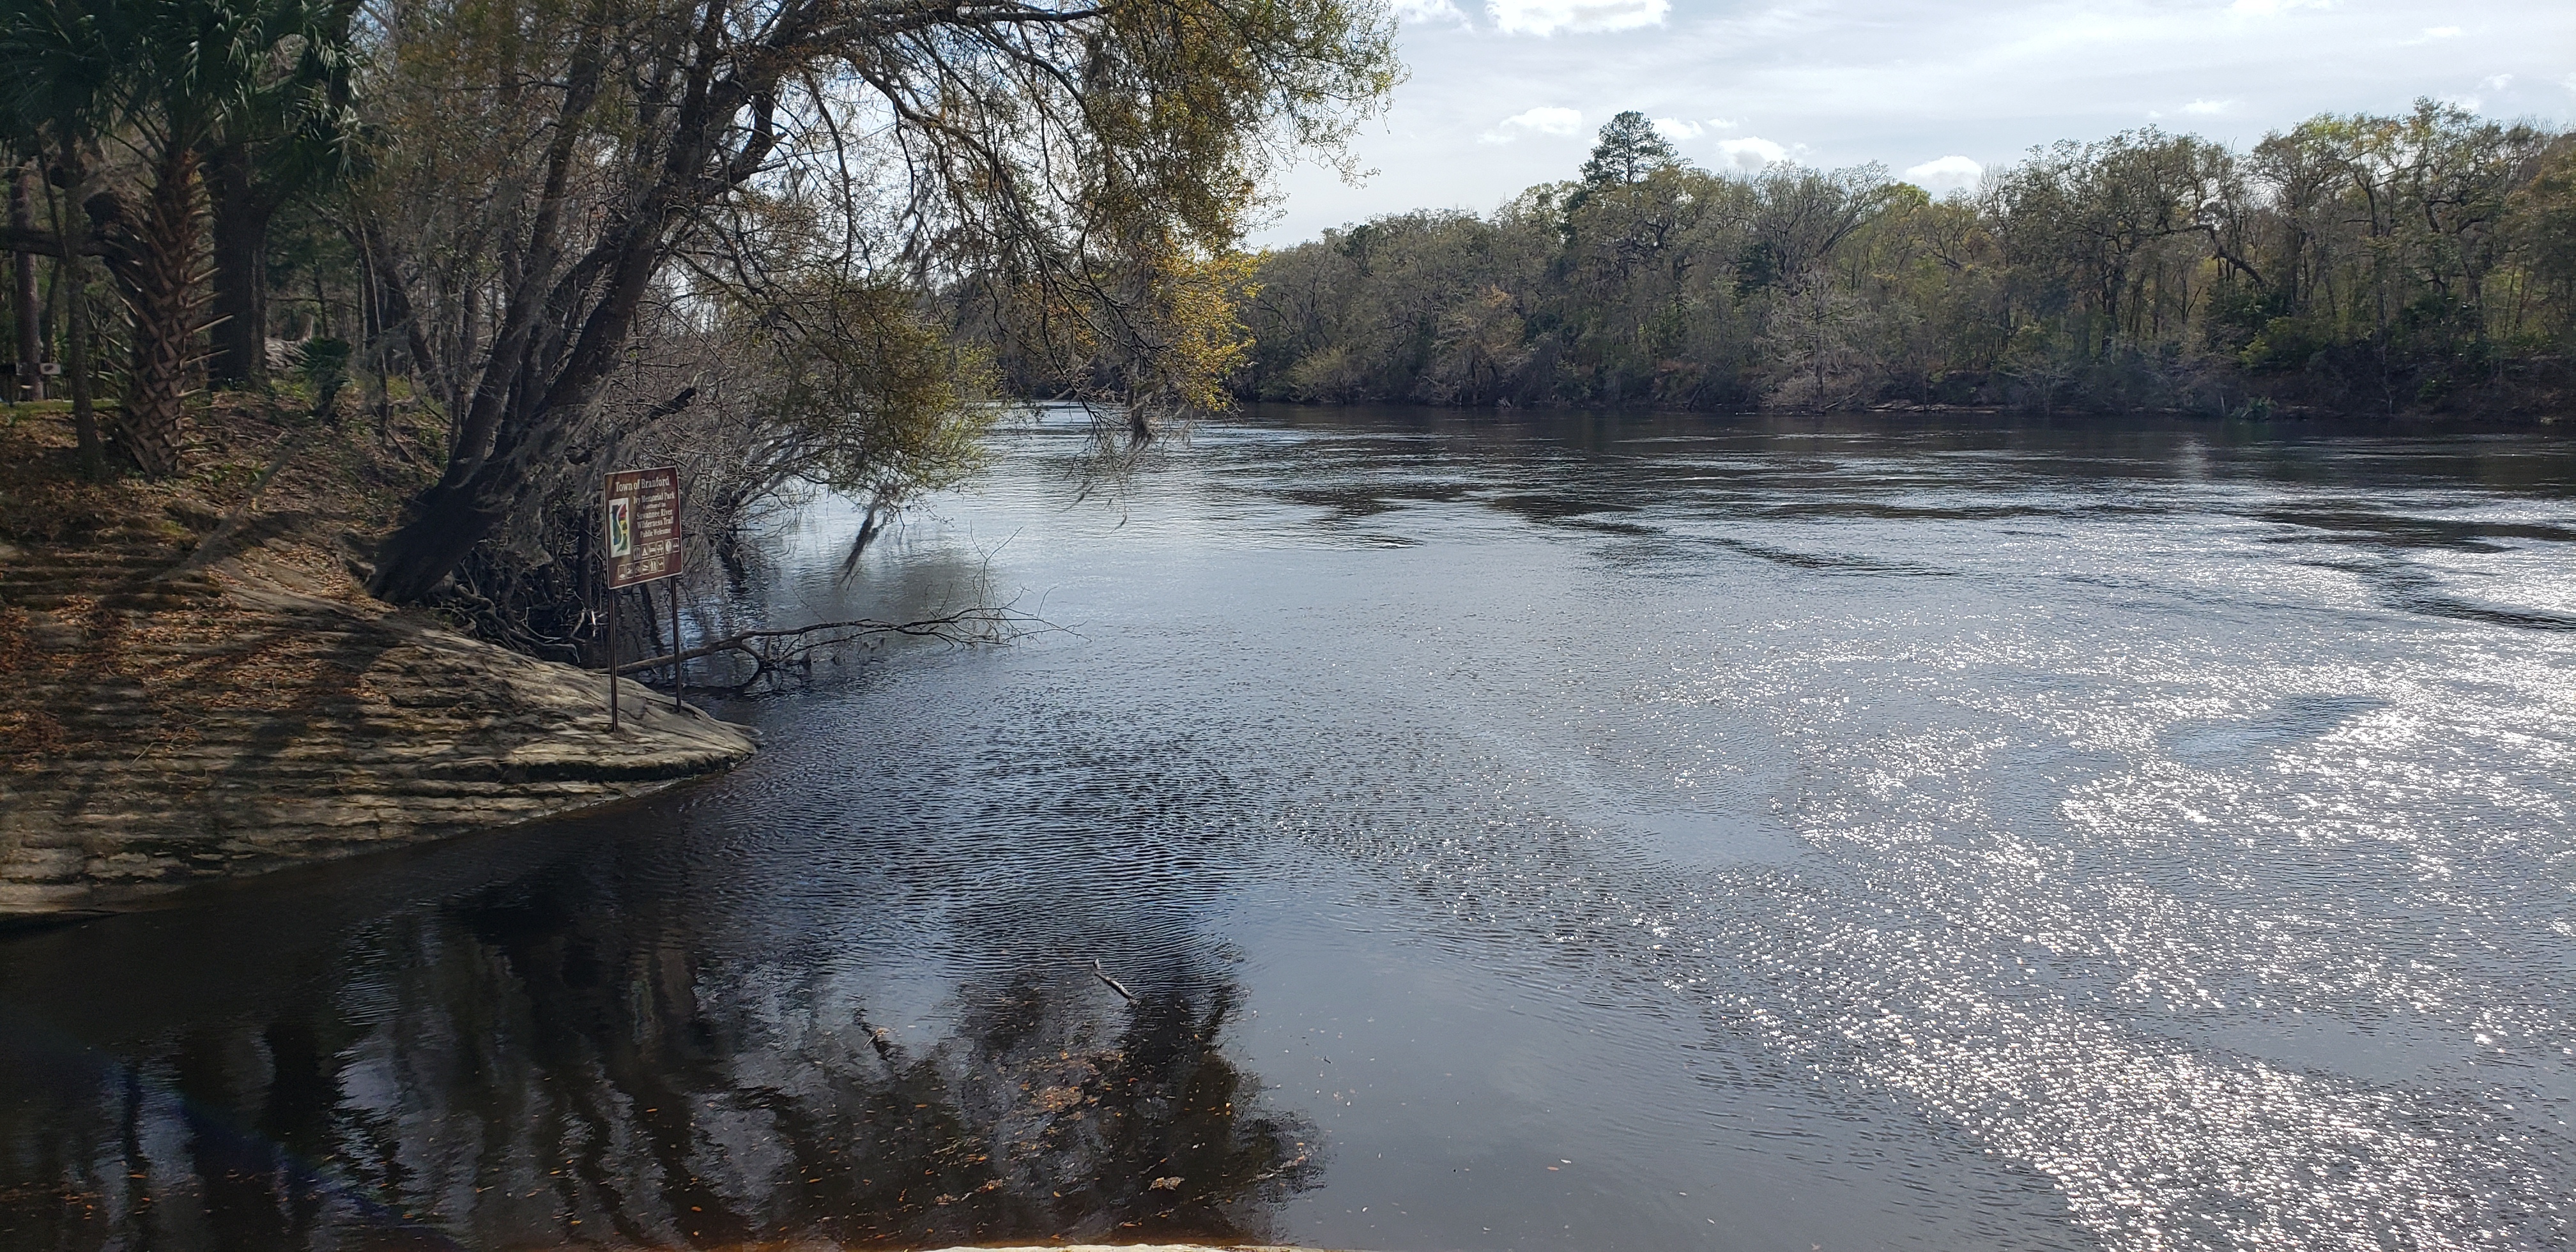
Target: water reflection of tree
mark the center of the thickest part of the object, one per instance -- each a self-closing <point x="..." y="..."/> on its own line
<point x="547" y="1068"/>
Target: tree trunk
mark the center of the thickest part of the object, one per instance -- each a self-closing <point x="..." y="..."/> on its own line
<point x="162" y="291"/>
<point x="392" y="297"/>
<point x="22" y="294"/>
<point x="93" y="452"/>
<point x="71" y="282"/>
<point x="464" y="509"/>
<point x="242" y="210"/>
<point x="446" y="522"/>
<point x="535" y="387"/>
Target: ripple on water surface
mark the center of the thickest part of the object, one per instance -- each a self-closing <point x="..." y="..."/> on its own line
<point x="1561" y="833"/>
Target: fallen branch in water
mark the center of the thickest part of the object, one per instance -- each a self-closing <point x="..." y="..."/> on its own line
<point x="1114" y="984"/>
<point x="771" y="652"/>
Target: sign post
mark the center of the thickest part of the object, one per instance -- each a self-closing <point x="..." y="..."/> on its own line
<point x="641" y="510"/>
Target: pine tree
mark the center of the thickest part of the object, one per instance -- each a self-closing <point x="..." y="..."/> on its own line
<point x="1629" y="149"/>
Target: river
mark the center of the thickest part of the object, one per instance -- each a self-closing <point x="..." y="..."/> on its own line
<point x="1505" y="832"/>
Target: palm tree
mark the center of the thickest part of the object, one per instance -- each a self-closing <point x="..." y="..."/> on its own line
<point x="144" y="89"/>
<point x="294" y="130"/>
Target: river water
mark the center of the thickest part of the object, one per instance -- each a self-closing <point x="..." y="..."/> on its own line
<point x="1506" y="832"/>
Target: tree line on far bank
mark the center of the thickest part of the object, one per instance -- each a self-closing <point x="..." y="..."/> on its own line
<point x="2423" y="262"/>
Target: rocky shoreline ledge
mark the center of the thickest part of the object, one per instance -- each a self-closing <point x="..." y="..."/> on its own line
<point x="1125" y="1247"/>
<point x="193" y="689"/>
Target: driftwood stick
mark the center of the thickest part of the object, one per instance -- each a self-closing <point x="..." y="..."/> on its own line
<point x="1114" y="984"/>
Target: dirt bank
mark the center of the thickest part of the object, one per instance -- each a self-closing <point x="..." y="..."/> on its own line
<point x="193" y="687"/>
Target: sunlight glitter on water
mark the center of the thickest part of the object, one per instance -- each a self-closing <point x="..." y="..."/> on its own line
<point x="1570" y="832"/>
<point x="2181" y="890"/>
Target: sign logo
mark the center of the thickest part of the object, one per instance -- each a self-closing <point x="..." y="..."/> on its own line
<point x="640" y="510"/>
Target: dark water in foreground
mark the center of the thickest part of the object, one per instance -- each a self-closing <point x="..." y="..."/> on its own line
<point x="1545" y="834"/>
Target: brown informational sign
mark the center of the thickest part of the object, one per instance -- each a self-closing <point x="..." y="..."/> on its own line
<point x="643" y="513"/>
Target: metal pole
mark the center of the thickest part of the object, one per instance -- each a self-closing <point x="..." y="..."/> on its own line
<point x="612" y="660"/>
<point x="680" y="536"/>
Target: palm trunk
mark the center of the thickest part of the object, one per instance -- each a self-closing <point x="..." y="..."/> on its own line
<point x="165" y="304"/>
<point x="241" y="214"/>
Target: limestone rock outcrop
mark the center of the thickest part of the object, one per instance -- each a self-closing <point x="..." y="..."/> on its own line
<point x="167" y="719"/>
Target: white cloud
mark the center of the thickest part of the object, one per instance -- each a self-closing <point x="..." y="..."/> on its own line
<point x="1947" y="173"/>
<point x="1903" y="82"/>
<point x="2468" y="103"/>
<point x="1420" y="12"/>
<point x="2441" y="32"/>
<point x="1751" y="152"/>
<point x="1676" y="129"/>
<point x="2497" y="83"/>
<point x="1543" y="120"/>
<point x="2278" y="6"/>
<point x="2207" y="108"/>
<point x="1546" y="17"/>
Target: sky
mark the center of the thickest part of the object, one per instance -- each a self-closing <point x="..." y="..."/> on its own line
<point x="1507" y="93"/>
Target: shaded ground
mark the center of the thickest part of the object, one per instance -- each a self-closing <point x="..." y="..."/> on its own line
<point x="196" y="687"/>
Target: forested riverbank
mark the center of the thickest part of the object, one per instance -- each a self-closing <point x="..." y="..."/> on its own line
<point x="388" y="289"/>
<point x="1506" y="743"/>
<point x="491" y="251"/>
<point x="781" y="245"/>
<point x="2416" y="263"/>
